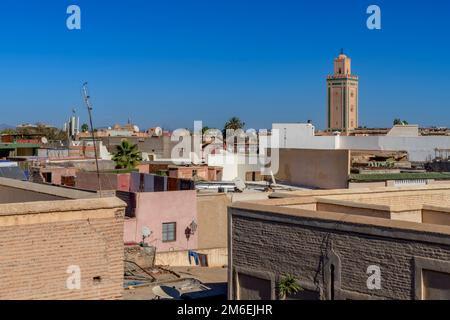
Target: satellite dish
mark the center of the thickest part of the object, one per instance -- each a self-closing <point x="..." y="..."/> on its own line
<point x="157" y="131"/>
<point x="146" y="232"/>
<point x="239" y="184"/>
<point x="44" y="140"/>
<point x="165" y="292"/>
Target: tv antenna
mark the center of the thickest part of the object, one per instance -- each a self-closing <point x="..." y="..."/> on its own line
<point x="87" y="101"/>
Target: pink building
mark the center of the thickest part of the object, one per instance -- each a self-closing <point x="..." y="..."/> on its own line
<point x="166" y="214"/>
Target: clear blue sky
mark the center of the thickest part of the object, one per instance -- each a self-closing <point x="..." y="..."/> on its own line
<point x="173" y="61"/>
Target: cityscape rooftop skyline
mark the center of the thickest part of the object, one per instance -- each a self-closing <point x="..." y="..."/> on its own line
<point x="159" y="65"/>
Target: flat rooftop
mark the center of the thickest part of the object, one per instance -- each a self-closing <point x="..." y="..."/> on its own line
<point x="424" y="208"/>
<point x="16" y="191"/>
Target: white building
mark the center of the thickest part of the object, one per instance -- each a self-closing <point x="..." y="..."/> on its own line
<point x="399" y="138"/>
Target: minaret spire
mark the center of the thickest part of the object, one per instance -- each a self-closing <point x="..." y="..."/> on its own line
<point x="342" y="102"/>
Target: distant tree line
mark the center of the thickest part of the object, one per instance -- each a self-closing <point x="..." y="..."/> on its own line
<point x="50" y="133"/>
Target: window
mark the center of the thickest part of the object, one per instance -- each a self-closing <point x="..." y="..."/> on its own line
<point x="436" y="285"/>
<point x="304" y="295"/>
<point x="431" y="279"/>
<point x="47" y="177"/>
<point x="253" y="288"/>
<point x="169" y="231"/>
<point x="332" y="282"/>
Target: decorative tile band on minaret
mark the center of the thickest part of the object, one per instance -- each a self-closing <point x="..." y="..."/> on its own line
<point x="342" y="96"/>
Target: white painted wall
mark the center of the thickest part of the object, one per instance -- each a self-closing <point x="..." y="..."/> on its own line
<point x="234" y="165"/>
<point x="419" y="148"/>
<point x="301" y="136"/>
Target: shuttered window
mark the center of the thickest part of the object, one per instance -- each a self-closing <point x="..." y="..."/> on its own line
<point x="169" y="231"/>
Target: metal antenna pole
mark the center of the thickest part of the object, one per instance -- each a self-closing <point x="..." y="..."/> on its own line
<point x="89" y="108"/>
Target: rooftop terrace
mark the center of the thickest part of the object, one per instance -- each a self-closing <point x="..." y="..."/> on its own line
<point x="16" y="191"/>
<point x="419" y="204"/>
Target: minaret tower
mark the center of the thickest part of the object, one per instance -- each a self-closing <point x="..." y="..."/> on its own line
<point x="342" y="96"/>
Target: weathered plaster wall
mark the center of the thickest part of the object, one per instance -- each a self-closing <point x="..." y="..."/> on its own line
<point x="325" y="169"/>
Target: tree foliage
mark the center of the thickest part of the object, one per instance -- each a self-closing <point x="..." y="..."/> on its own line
<point x="51" y="133"/>
<point x="234" y="123"/>
<point x="127" y="155"/>
<point x="84" y="127"/>
<point x="288" y="285"/>
<point x="398" y="121"/>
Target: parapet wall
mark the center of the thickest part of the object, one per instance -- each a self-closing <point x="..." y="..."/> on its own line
<point x="41" y="243"/>
<point x="267" y="243"/>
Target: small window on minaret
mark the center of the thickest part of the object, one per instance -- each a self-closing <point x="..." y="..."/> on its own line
<point x="340" y="70"/>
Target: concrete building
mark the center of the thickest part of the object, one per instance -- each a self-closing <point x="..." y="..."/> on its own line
<point x="188" y="171"/>
<point x="159" y="146"/>
<point x="309" y="168"/>
<point x="236" y="165"/>
<point x="400" y="138"/>
<point x="380" y="243"/>
<point x="332" y="169"/>
<point x="49" y="234"/>
<point x="211" y="231"/>
<point x="166" y="215"/>
<point x="88" y="180"/>
<point x="15" y="145"/>
<point x="342" y="96"/>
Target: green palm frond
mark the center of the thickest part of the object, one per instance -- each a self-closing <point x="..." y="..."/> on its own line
<point x="127" y="155"/>
<point x="288" y="285"/>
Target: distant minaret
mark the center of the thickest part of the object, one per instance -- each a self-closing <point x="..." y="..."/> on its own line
<point x="342" y="96"/>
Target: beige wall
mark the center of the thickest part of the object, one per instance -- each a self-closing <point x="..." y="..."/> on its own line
<point x="217" y="257"/>
<point x="325" y="169"/>
<point x="354" y="209"/>
<point x="212" y="220"/>
<point x="13" y="195"/>
<point x="15" y="191"/>
<point x="436" y="217"/>
<point x="39" y="241"/>
<point x="375" y="184"/>
<point x="407" y="215"/>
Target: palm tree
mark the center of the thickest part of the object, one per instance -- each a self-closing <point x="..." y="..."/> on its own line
<point x="398" y="121"/>
<point x="204" y="129"/>
<point x="288" y="285"/>
<point x="127" y="155"/>
<point x="233" y="123"/>
<point x="84" y="127"/>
